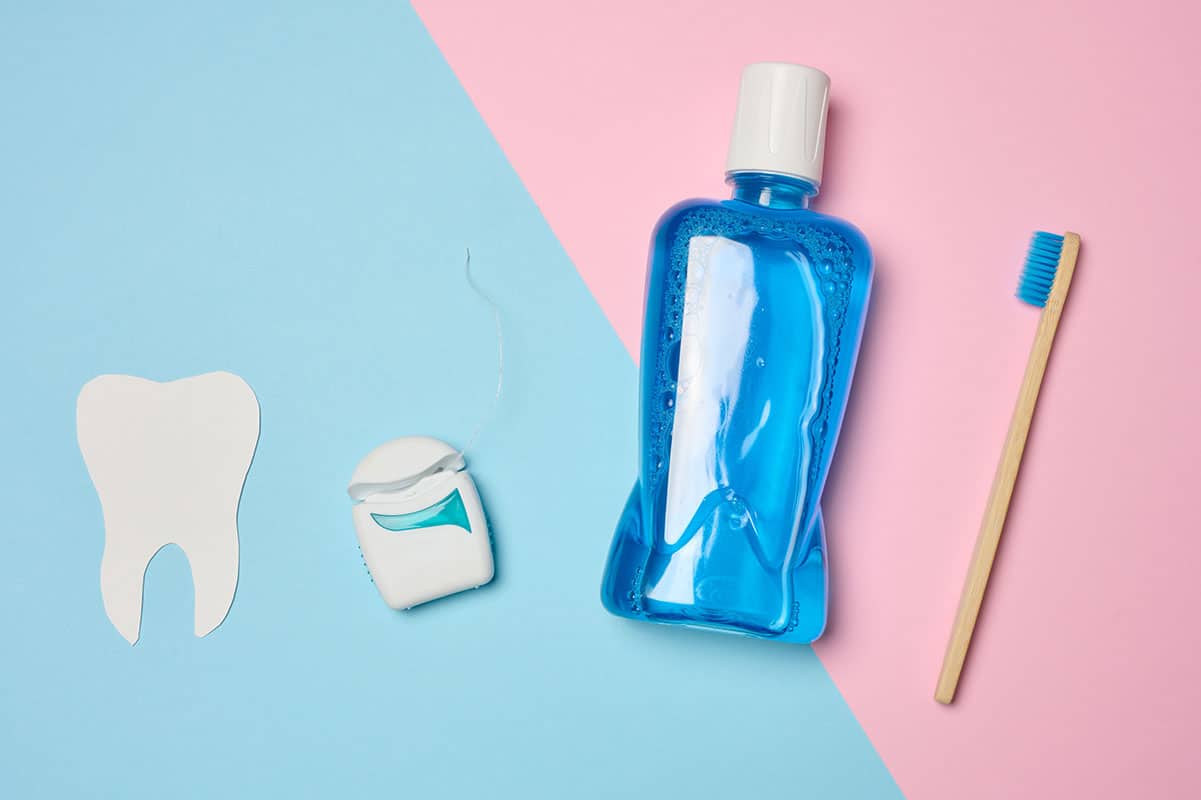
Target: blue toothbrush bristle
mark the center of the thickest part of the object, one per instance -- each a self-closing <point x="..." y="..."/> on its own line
<point x="1039" y="273"/>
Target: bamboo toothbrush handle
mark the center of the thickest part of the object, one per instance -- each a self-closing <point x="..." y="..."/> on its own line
<point x="1007" y="473"/>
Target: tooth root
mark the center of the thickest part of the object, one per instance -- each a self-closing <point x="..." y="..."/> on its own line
<point x="122" y="574"/>
<point x="214" y="573"/>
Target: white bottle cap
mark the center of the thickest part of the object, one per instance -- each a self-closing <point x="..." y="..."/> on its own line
<point x="781" y="121"/>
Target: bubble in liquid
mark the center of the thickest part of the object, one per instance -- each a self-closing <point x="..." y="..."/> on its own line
<point x="669" y="401"/>
<point x="760" y="362"/>
<point x="673" y="365"/>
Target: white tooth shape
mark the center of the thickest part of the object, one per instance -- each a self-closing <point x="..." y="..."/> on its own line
<point x="168" y="461"/>
<point x="420" y="523"/>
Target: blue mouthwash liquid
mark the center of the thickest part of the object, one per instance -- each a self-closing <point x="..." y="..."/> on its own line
<point x="754" y="312"/>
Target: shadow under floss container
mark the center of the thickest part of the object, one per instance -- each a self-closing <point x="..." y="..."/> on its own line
<point x="754" y="313"/>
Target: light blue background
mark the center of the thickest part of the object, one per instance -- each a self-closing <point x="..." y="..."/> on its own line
<point x="286" y="193"/>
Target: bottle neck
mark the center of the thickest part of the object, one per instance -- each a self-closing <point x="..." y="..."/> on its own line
<point x="771" y="190"/>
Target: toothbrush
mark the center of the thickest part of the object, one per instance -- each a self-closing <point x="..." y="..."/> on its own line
<point x="1044" y="283"/>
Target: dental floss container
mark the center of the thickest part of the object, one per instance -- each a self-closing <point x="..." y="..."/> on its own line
<point x="419" y="522"/>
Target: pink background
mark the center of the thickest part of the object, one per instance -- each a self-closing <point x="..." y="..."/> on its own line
<point x="957" y="129"/>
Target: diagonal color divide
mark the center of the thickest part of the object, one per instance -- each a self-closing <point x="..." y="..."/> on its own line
<point x="286" y="193"/>
<point x="956" y="131"/>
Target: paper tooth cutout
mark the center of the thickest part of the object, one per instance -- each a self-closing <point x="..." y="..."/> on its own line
<point x="168" y="461"/>
<point x="419" y="521"/>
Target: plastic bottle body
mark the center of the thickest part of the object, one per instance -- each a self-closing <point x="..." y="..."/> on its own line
<point x="754" y="313"/>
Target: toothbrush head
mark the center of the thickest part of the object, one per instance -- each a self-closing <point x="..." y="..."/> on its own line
<point x="1042" y="262"/>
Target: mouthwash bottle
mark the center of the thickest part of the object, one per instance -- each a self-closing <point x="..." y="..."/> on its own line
<point x="754" y="312"/>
